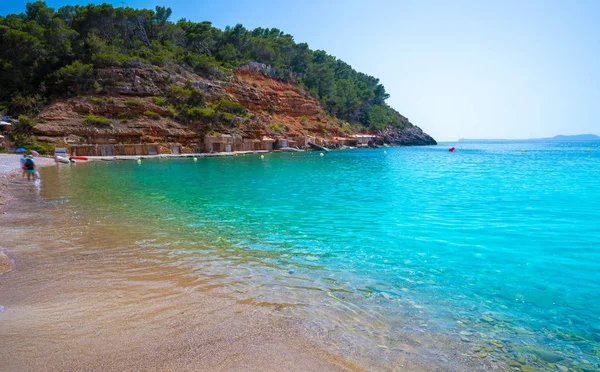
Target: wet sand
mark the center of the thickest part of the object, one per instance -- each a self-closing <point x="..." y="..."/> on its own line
<point x="80" y="296"/>
<point x="10" y="171"/>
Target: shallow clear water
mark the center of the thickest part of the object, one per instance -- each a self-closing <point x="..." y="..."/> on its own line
<point x="496" y="248"/>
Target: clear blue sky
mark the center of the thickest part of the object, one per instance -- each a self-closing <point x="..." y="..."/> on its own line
<point x="477" y="69"/>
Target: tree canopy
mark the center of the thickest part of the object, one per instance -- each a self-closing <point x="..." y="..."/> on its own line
<point x="43" y="49"/>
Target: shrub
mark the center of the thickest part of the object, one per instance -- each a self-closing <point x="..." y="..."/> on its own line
<point x="197" y="98"/>
<point x="202" y="64"/>
<point x="100" y="100"/>
<point x="121" y="116"/>
<point x="23" y="126"/>
<point x="161" y="57"/>
<point x="171" y="111"/>
<point x="76" y="72"/>
<point x="275" y="127"/>
<point x="28" y="105"/>
<point x="159" y="100"/>
<point x="44" y="148"/>
<point x="188" y="95"/>
<point x="92" y="119"/>
<point x="97" y="87"/>
<point x="226" y="115"/>
<point x="152" y="114"/>
<point x="199" y="113"/>
<point x="179" y="94"/>
<point x="106" y="59"/>
<point x="134" y="102"/>
<point x="23" y="139"/>
<point x="231" y="107"/>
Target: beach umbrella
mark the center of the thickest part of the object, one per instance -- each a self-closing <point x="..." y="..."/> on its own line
<point x="20" y="150"/>
<point x="35" y="153"/>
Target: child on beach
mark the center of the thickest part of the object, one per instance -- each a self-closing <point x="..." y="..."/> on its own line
<point x="30" y="168"/>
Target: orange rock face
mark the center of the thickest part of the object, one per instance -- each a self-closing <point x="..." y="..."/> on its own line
<point x="126" y="101"/>
<point x="280" y="104"/>
<point x="64" y="121"/>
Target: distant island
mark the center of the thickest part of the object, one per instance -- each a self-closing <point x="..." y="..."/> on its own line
<point x="559" y="138"/>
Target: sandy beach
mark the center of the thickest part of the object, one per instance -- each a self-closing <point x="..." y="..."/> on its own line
<point x="10" y="170"/>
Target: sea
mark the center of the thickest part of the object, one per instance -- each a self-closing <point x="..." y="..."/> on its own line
<point x="495" y="246"/>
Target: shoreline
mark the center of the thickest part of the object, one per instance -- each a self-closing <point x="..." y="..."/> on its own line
<point x="10" y="169"/>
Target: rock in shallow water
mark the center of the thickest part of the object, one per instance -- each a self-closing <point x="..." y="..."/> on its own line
<point x="545" y="355"/>
<point x="408" y="136"/>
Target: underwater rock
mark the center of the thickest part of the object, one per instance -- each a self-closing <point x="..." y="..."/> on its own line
<point x="511" y="362"/>
<point x="487" y="318"/>
<point x="545" y="355"/>
<point x="530" y="369"/>
<point x="497" y="343"/>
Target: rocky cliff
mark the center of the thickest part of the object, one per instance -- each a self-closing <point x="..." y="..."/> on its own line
<point x="135" y="105"/>
<point x="409" y="136"/>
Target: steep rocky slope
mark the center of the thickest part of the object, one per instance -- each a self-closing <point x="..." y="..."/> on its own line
<point x="131" y="105"/>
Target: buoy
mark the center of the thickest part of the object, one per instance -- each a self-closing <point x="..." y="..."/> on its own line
<point x="588" y="150"/>
<point x="321" y="154"/>
<point x="195" y="158"/>
<point x="522" y="150"/>
<point x="385" y="152"/>
<point x="139" y="161"/>
<point x="451" y="149"/>
<point x="262" y="156"/>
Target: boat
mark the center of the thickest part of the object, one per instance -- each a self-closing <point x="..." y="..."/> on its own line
<point x="290" y="149"/>
<point x="62" y="159"/>
<point x="78" y="157"/>
<point x="314" y="146"/>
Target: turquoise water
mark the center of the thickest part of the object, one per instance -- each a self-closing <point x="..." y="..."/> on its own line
<point x="490" y="246"/>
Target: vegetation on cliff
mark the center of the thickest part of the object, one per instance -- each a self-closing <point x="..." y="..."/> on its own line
<point x="47" y="53"/>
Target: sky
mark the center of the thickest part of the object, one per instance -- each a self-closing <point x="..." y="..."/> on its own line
<point x="458" y="69"/>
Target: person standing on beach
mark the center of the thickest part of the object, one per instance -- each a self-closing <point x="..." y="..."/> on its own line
<point x="30" y="168"/>
<point x="23" y="160"/>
